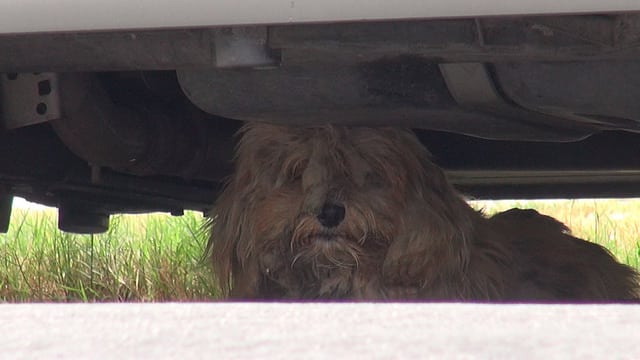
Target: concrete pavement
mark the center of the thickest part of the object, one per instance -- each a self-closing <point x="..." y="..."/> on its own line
<point x="318" y="331"/>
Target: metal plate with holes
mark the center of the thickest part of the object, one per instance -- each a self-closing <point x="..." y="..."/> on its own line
<point x="28" y="99"/>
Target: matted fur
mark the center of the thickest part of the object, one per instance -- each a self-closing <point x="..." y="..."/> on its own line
<point x="406" y="233"/>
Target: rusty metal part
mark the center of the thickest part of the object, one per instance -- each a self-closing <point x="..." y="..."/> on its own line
<point x="147" y="138"/>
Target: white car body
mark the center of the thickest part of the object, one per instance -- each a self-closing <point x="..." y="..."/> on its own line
<point x="21" y="16"/>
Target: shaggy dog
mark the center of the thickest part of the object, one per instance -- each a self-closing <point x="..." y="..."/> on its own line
<point x="341" y="213"/>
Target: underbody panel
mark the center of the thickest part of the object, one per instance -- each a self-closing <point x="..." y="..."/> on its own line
<point x="143" y="120"/>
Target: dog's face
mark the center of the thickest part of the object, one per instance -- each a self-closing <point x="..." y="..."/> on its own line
<point x="308" y="209"/>
<point x="326" y="199"/>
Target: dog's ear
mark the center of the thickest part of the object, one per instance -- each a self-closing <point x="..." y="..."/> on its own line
<point x="227" y="230"/>
<point x="230" y="245"/>
<point x="432" y="239"/>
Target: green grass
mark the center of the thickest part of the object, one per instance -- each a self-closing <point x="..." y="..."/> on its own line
<point x="157" y="257"/>
<point x="152" y="257"/>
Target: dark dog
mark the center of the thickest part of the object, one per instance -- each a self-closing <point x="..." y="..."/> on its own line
<point x="363" y="214"/>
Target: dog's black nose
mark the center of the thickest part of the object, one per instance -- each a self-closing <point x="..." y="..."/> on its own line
<point x="331" y="215"/>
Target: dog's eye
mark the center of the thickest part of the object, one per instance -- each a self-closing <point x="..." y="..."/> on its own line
<point x="295" y="176"/>
<point x="295" y="172"/>
<point x="375" y="180"/>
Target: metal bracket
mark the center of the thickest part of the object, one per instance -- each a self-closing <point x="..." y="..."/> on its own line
<point x="27" y="99"/>
<point x="471" y="85"/>
<point x="244" y="47"/>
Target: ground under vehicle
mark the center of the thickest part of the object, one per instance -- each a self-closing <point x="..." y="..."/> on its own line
<point x="134" y="120"/>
